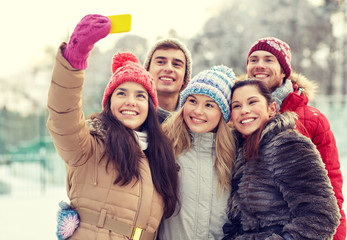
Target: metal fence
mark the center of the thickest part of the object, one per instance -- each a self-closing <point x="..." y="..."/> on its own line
<point x="27" y="174"/>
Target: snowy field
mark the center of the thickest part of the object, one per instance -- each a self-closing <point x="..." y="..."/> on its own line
<point x="29" y="211"/>
<point x="30" y="216"/>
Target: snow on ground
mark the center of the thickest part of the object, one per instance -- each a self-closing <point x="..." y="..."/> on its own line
<point x="29" y="210"/>
<point x="30" y="216"/>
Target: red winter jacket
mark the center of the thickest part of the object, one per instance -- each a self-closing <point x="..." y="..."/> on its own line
<point x="313" y="124"/>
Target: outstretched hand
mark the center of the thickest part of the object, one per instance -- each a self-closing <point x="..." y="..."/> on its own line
<point x="87" y="32"/>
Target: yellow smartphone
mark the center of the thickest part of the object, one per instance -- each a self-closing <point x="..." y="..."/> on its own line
<point x="120" y="23"/>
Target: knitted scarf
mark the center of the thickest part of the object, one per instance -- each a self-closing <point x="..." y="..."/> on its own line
<point x="282" y="92"/>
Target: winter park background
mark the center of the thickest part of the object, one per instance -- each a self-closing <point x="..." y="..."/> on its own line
<point x="32" y="176"/>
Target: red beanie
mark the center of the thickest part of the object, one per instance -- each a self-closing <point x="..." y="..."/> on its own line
<point x="278" y="48"/>
<point x="126" y="67"/>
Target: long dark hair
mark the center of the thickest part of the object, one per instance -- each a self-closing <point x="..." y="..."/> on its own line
<point x="252" y="141"/>
<point x="123" y="152"/>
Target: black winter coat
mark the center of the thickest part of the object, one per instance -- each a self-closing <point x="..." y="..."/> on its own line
<point x="284" y="193"/>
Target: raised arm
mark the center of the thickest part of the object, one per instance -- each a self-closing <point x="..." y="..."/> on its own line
<point x="66" y="122"/>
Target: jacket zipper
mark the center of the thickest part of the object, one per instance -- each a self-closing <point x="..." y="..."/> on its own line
<point x="139" y="203"/>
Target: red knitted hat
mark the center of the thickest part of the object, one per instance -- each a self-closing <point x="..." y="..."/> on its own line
<point x="126" y="67"/>
<point x="278" y="48"/>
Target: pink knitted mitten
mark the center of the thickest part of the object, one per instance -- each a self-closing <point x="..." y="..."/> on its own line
<point x="88" y="31"/>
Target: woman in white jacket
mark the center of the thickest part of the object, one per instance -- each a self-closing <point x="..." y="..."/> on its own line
<point x="204" y="147"/>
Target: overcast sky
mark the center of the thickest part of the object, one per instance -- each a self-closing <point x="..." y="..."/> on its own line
<point x="27" y="27"/>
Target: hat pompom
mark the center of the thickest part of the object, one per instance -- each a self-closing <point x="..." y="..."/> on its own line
<point x="126" y="67"/>
<point x="119" y="59"/>
<point x="227" y="71"/>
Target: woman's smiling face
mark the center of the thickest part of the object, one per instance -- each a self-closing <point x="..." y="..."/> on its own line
<point x="201" y="113"/>
<point x="249" y="109"/>
<point x="129" y="104"/>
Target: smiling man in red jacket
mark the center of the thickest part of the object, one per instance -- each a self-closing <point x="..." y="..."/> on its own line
<point x="269" y="59"/>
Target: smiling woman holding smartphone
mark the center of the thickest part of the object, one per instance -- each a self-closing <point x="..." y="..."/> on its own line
<point x="121" y="172"/>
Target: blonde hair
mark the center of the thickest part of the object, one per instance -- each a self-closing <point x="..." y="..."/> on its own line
<point x="177" y="131"/>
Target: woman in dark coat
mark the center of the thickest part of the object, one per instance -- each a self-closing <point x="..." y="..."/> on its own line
<point x="280" y="189"/>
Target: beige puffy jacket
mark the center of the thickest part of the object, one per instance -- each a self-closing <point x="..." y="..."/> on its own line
<point x="89" y="186"/>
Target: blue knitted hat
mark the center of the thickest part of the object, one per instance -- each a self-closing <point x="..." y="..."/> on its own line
<point x="215" y="83"/>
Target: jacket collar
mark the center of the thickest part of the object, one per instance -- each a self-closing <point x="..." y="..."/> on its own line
<point x="277" y="124"/>
<point x="301" y="84"/>
<point x="96" y="127"/>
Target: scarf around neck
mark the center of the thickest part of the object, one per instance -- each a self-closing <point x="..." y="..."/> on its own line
<point x="282" y="92"/>
<point x="142" y="139"/>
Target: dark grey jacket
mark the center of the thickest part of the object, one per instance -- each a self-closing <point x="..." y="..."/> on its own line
<point x="284" y="193"/>
<point x="162" y="114"/>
